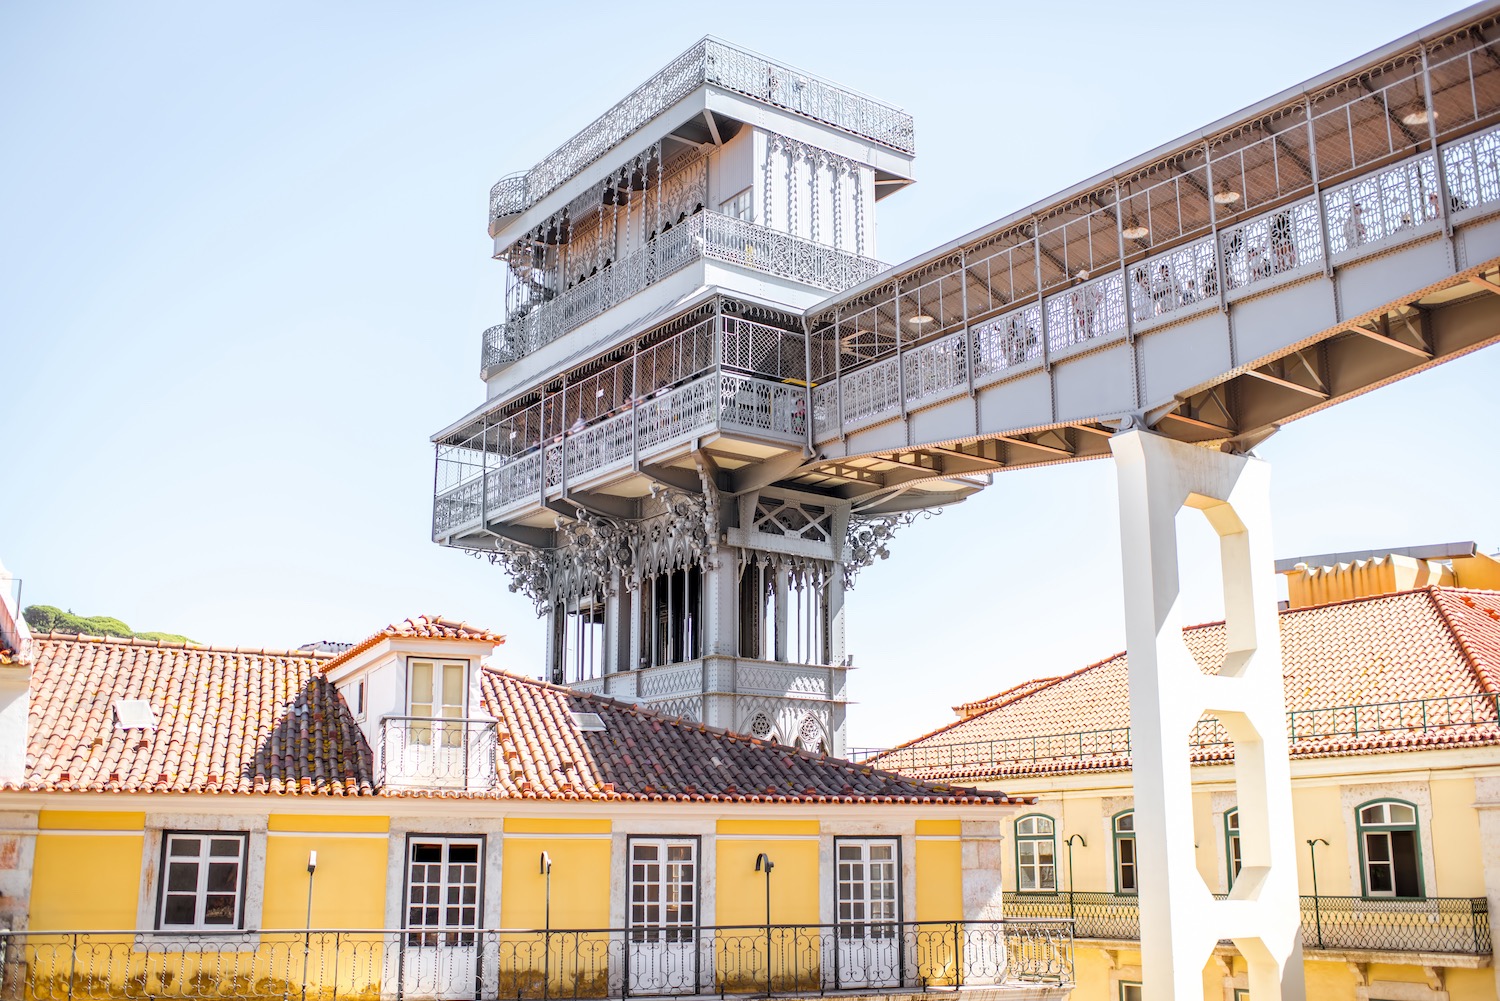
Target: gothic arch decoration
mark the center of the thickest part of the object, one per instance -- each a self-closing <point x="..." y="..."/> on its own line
<point x="810" y="736"/>
<point x="760" y="727"/>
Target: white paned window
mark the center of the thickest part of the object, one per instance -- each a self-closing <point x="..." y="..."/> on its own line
<point x="1125" y="862"/>
<point x="203" y="881"/>
<point x="1036" y="855"/>
<point x="867" y="901"/>
<point x="1390" y="848"/>
<point x="741" y="206"/>
<point x="442" y="890"/>
<point x="437" y="690"/>
<point x="663" y="889"/>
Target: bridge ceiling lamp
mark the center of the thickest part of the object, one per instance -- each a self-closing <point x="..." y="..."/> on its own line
<point x="1134" y="230"/>
<point x="1226" y="195"/>
<point x="1417" y="116"/>
<point x="920" y="320"/>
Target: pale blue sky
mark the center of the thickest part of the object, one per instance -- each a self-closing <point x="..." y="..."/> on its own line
<point x="243" y="275"/>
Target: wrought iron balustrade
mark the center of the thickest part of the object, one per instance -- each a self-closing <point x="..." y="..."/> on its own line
<point x="432" y="752"/>
<point x="490" y="964"/>
<point x="1305" y="728"/>
<point x="1019" y="327"/>
<point x="1459" y="925"/>
<point x="704" y="235"/>
<point x="710" y="61"/>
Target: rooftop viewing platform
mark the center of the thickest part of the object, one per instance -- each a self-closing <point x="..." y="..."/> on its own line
<point x="709" y="62"/>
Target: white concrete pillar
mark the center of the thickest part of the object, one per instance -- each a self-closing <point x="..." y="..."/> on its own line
<point x="1180" y="919"/>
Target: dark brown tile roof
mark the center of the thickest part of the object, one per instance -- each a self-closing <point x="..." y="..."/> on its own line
<point x="228" y="721"/>
<point x="430" y="627"/>
<point x="1428" y="644"/>
<point x="258" y="721"/>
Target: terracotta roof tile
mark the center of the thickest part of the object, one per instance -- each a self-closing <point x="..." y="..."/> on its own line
<point x="430" y="627"/>
<point x="1432" y="643"/>
<point x="228" y="721"/>
<point x="237" y="721"/>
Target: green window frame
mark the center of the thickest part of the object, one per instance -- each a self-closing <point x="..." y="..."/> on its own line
<point x="1232" y="861"/>
<point x="1036" y="854"/>
<point x="1126" y="863"/>
<point x="1390" y="849"/>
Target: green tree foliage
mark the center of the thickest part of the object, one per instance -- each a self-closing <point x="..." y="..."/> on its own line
<point x="47" y="619"/>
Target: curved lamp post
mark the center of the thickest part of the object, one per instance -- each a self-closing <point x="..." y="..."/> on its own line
<point x="1312" y="855"/>
<point x="764" y="864"/>
<point x="546" y="873"/>
<point x="1069" y="843"/>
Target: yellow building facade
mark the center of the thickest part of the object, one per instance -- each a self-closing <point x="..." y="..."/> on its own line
<point x="1396" y="799"/>
<point x="400" y="820"/>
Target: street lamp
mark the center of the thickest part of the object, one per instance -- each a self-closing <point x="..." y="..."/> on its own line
<point x="764" y="864"/>
<point x="1069" y="843"/>
<point x="1312" y="854"/>
<point x="546" y="874"/>
<point x="312" y="866"/>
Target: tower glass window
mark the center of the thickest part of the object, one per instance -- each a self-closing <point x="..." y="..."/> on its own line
<point x="1232" y="844"/>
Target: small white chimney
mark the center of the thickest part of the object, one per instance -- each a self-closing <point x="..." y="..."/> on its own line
<point x="15" y="679"/>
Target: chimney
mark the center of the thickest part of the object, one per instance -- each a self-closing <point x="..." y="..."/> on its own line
<point x="15" y="678"/>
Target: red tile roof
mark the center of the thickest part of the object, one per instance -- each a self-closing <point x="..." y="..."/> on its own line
<point x="258" y="721"/>
<point x="228" y="720"/>
<point x="1429" y="644"/>
<point x="429" y="627"/>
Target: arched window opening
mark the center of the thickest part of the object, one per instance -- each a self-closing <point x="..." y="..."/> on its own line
<point x="1232" y="844"/>
<point x="1036" y="854"/>
<point x="1390" y="849"/>
<point x="1125" y="860"/>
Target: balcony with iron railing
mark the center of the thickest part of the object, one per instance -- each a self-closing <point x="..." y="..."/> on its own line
<point x="723" y="65"/>
<point x="1477" y="713"/>
<point x="703" y="236"/>
<point x="1432" y="925"/>
<point x="527" y="963"/>
<point x="444" y="753"/>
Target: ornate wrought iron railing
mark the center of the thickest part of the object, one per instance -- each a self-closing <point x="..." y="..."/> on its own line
<point x="474" y="484"/>
<point x="710" y="61"/>
<point x="1378" y="924"/>
<point x="1004" y="322"/>
<point x="1305" y="728"/>
<point x="490" y="964"/>
<point x="705" y="235"/>
<point x="429" y="752"/>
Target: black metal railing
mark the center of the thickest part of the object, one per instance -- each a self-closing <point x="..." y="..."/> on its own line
<point x="531" y="963"/>
<point x="1396" y="924"/>
<point x="431" y="752"/>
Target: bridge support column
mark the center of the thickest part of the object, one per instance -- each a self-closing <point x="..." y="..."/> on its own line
<point x="1180" y="919"/>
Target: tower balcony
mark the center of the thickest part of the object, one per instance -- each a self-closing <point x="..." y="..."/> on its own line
<point x="475" y="486"/>
<point x="710" y="62"/>
<point x="704" y="236"/>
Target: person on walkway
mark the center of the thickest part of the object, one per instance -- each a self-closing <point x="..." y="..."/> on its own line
<point x="1354" y="228"/>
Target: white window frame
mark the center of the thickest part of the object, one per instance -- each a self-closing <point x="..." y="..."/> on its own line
<point x="442" y="933"/>
<point x="1028" y="836"/>
<point x="453" y="735"/>
<point x="680" y="929"/>
<point x="738" y="203"/>
<point x="871" y="925"/>
<point x="204" y="860"/>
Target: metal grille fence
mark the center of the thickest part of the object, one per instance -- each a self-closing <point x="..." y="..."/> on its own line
<point x="488" y="964"/>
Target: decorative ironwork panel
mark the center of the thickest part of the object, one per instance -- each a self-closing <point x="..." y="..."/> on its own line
<point x="680" y="413"/>
<point x="777" y="679"/>
<point x="1376" y="207"/>
<point x="1008" y="341"/>
<point x="935" y="369"/>
<point x="1274" y="244"/>
<point x="1088" y="311"/>
<point x="872" y="391"/>
<point x="763" y="349"/>
<point x="658" y="682"/>
<point x="768" y="408"/>
<point x="1166" y="283"/>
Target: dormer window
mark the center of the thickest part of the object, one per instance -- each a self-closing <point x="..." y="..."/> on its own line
<point x="437" y="690"/>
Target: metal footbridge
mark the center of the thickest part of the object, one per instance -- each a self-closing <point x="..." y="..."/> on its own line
<point x="1333" y="238"/>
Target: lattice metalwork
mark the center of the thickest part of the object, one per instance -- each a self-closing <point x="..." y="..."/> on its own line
<point x="724" y="65"/>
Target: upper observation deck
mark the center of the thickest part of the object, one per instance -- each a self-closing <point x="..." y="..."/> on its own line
<point x="732" y="71"/>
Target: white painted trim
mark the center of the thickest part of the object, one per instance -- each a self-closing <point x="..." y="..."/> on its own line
<point x="768" y="837"/>
<point x="575" y="836"/>
<point x="81" y="832"/>
<point x="955" y="837"/>
<point x="327" y="834"/>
